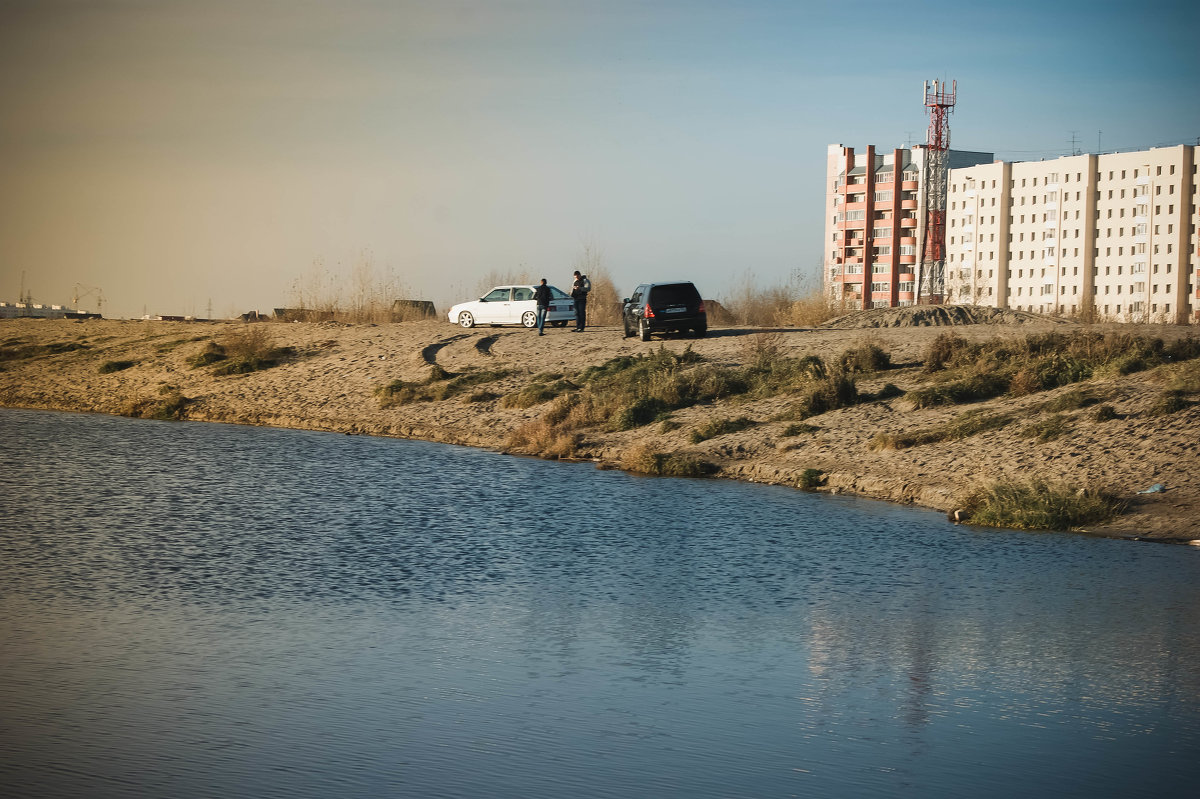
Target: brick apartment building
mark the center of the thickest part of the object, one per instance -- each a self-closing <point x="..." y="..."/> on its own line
<point x="874" y="223"/>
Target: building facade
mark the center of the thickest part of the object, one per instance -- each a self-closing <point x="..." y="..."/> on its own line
<point x="875" y="223"/>
<point x="1109" y="236"/>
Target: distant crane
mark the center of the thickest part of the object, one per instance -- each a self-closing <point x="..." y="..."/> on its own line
<point x="939" y="103"/>
<point x="87" y="292"/>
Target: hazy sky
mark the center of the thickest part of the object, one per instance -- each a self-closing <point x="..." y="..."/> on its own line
<point x="179" y="153"/>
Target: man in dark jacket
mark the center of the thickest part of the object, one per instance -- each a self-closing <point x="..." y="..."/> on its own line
<point x="541" y="295"/>
<point x="579" y="292"/>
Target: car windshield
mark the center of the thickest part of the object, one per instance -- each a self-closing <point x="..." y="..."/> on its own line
<point x="674" y="294"/>
<point x="558" y="294"/>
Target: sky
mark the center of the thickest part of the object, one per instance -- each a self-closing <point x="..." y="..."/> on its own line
<point x="206" y="156"/>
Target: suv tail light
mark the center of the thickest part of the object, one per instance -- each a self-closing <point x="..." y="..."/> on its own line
<point x="700" y="308"/>
<point x="649" y="311"/>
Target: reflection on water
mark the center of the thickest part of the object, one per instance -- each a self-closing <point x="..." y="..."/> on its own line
<point x="201" y="610"/>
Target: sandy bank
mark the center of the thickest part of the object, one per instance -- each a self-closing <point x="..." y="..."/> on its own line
<point x="330" y="381"/>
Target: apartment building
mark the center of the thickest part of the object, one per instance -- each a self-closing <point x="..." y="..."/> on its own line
<point x="1111" y="234"/>
<point x="875" y="223"/>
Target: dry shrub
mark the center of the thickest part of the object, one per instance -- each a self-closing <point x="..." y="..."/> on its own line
<point x="544" y="439"/>
<point x="750" y="305"/>
<point x="248" y="341"/>
<point x="360" y="293"/>
<point x="812" y="310"/>
<point x="866" y="357"/>
<point x="644" y="459"/>
<point x="762" y="349"/>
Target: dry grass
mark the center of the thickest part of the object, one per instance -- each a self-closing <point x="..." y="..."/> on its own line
<point x="644" y="459"/>
<point x="361" y="293"/>
<point x="440" y="385"/>
<point x="970" y="372"/>
<point x="1041" y="505"/>
<point x="964" y="425"/>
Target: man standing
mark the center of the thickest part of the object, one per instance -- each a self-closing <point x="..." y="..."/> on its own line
<point x="579" y="292"/>
<point x="541" y="295"/>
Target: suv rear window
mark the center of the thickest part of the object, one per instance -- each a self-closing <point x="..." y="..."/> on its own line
<point x="674" y="294"/>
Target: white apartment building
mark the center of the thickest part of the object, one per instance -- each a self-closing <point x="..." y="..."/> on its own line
<point x="1113" y="233"/>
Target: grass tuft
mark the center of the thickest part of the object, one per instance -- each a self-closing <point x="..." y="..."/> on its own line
<point x="108" y="367"/>
<point x="1040" y="505"/>
<point x="965" y="425"/>
<point x="643" y="459"/>
<point x="1048" y="429"/>
<point x="810" y="479"/>
<point x="1169" y="402"/>
<point x="719" y="427"/>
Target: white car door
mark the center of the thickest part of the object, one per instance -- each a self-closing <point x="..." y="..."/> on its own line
<point x="495" y="307"/>
<point x="522" y="302"/>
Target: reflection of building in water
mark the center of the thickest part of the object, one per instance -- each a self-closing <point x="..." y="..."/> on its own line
<point x="931" y="654"/>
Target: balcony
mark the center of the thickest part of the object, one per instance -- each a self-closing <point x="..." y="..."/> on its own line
<point x="908" y="223"/>
<point x="909" y="185"/>
<point x="908" y="205"/>
<point x="908" y="259"/>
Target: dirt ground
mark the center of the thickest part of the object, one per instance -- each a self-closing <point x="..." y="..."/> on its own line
<point x="331" y="380"/>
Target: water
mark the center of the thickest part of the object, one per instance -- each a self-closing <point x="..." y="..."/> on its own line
<point x="193" y="610"/>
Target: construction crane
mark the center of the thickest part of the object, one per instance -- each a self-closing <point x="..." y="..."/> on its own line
<point x="87" y="292"/>
<point x="931" y="287"/>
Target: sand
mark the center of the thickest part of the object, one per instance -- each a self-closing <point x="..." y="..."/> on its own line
<point x="330" y="384"/>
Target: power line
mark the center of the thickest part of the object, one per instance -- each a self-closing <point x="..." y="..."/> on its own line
<point x="1057" y="151"/>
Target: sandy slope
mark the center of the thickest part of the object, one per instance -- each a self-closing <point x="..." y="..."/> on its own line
<point x="330" y="384"/>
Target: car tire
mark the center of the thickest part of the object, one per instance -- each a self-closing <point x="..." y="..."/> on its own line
<point x="700" y="332"/>
<point x="466" y="320"/>
<point x="559" y="324"/>
<point x="625" y="328"/>
<point x="529" y="319"/>
<point x="643" y="330"/>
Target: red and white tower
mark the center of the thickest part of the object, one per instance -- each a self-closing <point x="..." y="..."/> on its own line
<point x="939" y="103"/>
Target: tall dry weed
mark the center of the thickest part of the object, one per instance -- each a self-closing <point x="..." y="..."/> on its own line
<point x="360" y="293"/>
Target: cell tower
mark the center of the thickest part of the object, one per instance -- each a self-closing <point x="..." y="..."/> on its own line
<point x="939" y="103"/>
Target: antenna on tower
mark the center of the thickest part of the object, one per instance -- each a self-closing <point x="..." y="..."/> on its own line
<point x="939" y="103"/>
<point x="1074" y="143"/>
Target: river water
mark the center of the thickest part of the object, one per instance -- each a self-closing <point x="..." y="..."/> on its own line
<point x="202" y="610"/>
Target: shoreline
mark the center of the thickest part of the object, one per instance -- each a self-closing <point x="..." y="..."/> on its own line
<point x="331" y="380"/>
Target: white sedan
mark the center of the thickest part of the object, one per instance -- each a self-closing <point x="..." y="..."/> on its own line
<point x="513" y="305"/>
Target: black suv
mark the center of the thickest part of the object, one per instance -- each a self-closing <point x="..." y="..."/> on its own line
<point x="662" y="308"/>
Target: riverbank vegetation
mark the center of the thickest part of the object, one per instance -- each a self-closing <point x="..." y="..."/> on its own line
<point x="1041" y="505"/>
<point x="1087" y="405"/>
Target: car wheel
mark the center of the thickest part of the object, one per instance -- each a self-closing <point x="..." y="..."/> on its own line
<point x="529" y="319"/>
<point x="643" y="330"/>
<point x="625" y="328"/>
<point x="700" y="332"/>
<point x="466" y="320"/>
<point x="560" y="324"/>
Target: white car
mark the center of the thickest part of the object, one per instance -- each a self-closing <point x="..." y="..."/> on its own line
<point x="513" y="305"/>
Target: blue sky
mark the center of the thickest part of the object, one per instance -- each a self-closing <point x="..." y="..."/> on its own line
<point x="177" y="154"/>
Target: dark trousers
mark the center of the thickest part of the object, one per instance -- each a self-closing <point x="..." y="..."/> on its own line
<point x="580" y="312"/>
